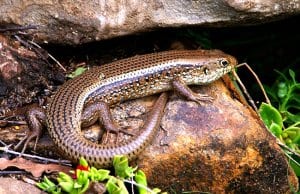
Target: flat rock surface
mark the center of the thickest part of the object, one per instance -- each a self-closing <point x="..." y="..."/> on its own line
<point x="13" y="186"/>
<point x="76" y="22"/>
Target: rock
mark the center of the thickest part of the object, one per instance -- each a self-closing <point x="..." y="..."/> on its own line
<point x="24" y="73"/>
<point x="9" y="67"/>
<point x="219" y="147"/>
<point x="13" y="186"/>
<point x="76" y="22"/>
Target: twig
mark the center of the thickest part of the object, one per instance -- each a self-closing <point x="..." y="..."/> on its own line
<point x="283" y="146"/>
<point x="17" y="28"/>
<point x="3" y="143"/>
<point x="132" y="188"/>
<point x="258" y="81"/>
<point x="5" y="122"/>
<point x="38" y="52"/>
<point x="139" y="185"/>
<point x="55" y="60"/>
<point x="251" y="101"/>
<point x="29" y="46"/>
<point x="65" y="162"/>
<point x="2" y="172"/>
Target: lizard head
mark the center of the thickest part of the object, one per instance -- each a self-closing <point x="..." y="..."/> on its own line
<point x="208" y="68"/>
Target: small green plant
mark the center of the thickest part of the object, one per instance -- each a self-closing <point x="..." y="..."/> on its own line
<point x="84" y="174"/>
<point x="78" y="71"/>
<point x="283" y="119"/>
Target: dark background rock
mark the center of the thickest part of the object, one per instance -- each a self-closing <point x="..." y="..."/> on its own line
<point x="24" y="75"/>
<point x="76" y="22"/>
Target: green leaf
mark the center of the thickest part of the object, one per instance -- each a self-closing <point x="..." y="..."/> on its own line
<point x="270" y="115"/>
<point x="63" y="177"/>
<point x="141" y="179"/>
<point x="295" y="167"/>
<point x="122" y="168"/>
<point x="284" y="135"/>
<point x="296" y="86"/>
<point x="282" y="76"/>
<point x="82" y="176"/>
<point x="93" y="173"/>
<point x="282" y="90"/>
<point x="115" y="186"/>
<point x="102" y="174"/>
<point x="275" y="129"/>
<point x="111" y="185"/>
<point x="77" y="72"/>
<point x="77" y="186"/>
<point x="292" y="117"/>
<point x="289" y="142"/>
<point x="83" y="162"/>
<point x="292" y="74"/>
<point x="293" y="101"/>
<point x="85" y="186"/>
<point x="44" y="186"/>
<point x="294" y="133"/>
<point x="66" y="186"/>
<point x="271" y="92"/>
<point x="48" y="186"/>
<point x="48" y="182"/>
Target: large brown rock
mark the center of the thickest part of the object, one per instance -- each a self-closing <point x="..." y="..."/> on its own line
<point x="219" y="147"/>
<point x="75" y="22"/>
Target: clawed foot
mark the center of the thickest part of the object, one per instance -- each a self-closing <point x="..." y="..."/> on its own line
<point x="117" y="132"/>
<point x="100" y="111"/>
<point x="199" y="98"/>
<point x="30" y="136"/>
<point x="185" y="91"/>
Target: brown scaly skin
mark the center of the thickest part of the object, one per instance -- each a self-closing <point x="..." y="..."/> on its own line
<point x="122" y="80"/>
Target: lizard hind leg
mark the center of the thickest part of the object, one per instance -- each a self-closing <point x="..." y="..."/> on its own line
<point x="100" y="111"/>
<point x="36" y="119"/>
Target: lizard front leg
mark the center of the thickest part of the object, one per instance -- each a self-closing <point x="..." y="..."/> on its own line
<point x="181" y="88"/>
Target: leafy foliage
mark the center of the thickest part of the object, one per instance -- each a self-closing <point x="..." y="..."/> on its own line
<point x="283" y="119"/>
<point x="84" y="174"/>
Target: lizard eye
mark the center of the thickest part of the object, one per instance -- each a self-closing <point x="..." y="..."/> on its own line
<point x="224" y="62"/>
<point x="206" y="70"/>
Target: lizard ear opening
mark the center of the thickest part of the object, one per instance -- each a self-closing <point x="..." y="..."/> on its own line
<point x="206" y="70"/>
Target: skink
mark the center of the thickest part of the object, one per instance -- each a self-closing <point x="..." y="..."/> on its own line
<point x="126" y="79"/>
